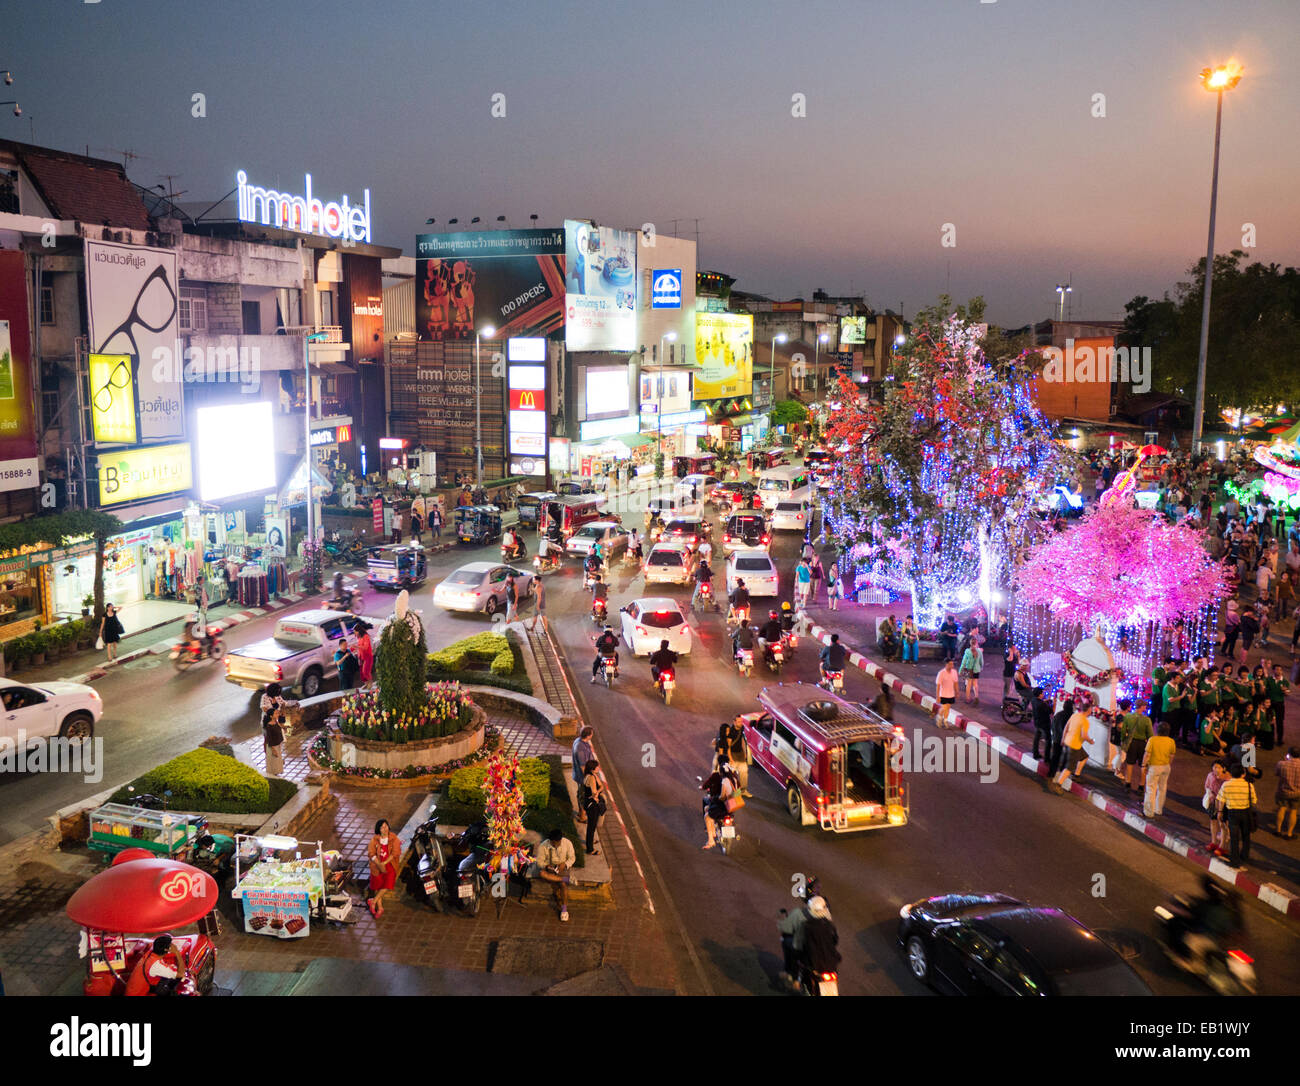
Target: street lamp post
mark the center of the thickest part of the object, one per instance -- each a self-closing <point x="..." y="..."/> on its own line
<point x="486" y="332"/>
<point x="671" y="337"/>
<point x="817" y="362"/>
<point x="314" y="337"/>
<point x="771" y="380"/>
<point x="1062" y="289"/>
<point x="1218" y="80"/>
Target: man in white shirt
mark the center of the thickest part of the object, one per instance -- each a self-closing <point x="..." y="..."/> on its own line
<point x="1073" y="742"/>
<point x="555" y="859"/>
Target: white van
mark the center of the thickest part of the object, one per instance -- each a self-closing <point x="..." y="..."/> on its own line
<point x="794" y="513"/>
<point x="778" y="484"/>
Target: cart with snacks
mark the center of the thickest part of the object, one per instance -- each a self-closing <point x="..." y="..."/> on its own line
<point x="116" y="826"/>
<point x="281" y="891"/>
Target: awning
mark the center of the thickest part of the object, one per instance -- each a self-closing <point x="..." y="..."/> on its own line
<point x="739" y="420"/>
<point x="635" y="441"/>
<point x="331" y="369"/>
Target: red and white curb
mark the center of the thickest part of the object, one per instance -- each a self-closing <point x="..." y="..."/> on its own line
<point x="1271" y="894"/>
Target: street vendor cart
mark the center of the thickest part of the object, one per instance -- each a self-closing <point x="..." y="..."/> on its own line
<point x="121" y="908"/>
<point x="280" y="891"/>
<point x="117" y="826"/>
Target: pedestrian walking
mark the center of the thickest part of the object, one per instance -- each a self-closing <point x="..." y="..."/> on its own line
<point x="1238" y="807"/>
<point x="583" y="752"/>
<point x="948" y="637"/>
<point x="539" y="604"/>
<point x="817" y="574"/>
<point x="593" y="802"/>
<point x="512" y="599"/>
<point x="972" y="663"/>
<point x="435" y="523"/>
<point x="1277" y="686"/>
<point x="417" y="528"/>
<point x="1010" y="661"/>
<point x="1042" y="723"/>
<point x="1073" y="741"/>
<point x="110" y="631"/>
<point x="397" y="526"/>
<point x="384" y="851"/>
<point x="834" y="587"/>
<point x="1059" y="721"/>
<point x="802" y="584"/>
<point x="365" y="652"/>
<point x="945" y="689"/>
<point x="273" y="740"/>
<point x="1135" y="729"/>
<point x="1288" y="792"/>
<point x="1157" y="761"/>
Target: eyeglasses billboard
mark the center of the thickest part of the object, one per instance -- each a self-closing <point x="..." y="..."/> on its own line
<point x="112" y="399"/>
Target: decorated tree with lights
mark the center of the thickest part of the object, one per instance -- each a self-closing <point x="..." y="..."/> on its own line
<point x="939" y="480"/>
<point x="1127" y="574"/>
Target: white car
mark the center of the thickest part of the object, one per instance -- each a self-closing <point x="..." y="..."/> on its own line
<point x="703" y="485"/>
<point x="44" y="709"/>
<point x="481" y="586"/>
<point x="668" y="563"/>
<point x="756" y="568"/>
<point x="648" y="621"/>
<point x="790" y="516"/>
<point x="611" y="536"/>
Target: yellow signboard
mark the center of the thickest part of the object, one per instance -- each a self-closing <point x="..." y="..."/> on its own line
<point x="133" y="474"/>
<point x="112" y="399"/>
<point x="724" y="349"/>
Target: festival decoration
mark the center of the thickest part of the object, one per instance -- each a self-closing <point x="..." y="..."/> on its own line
<point x="937" y="486"/>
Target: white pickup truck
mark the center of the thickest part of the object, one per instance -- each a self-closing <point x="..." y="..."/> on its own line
<point x="299" y="655"/>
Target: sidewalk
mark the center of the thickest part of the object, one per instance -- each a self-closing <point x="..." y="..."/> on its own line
<point x="1273" y="874"/>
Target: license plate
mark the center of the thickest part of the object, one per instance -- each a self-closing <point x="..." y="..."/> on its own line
<point x="430" y="886"/>
<point x="465" y="889"/>
<point x="829" y="987"/>
<point x="669" y="684"/>
<point x="728" y="831"/>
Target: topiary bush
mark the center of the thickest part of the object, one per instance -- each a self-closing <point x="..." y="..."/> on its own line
<point x="204" y="780"/>
<point x="400" y="662"/>
<point x="489" y="648"/>
<point x="534" y="778"/>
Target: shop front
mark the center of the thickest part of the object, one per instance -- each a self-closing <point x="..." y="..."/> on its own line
<point x="22" y="594"/>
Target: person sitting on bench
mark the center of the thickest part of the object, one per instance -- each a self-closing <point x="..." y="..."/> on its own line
<point x="555" y="859"/>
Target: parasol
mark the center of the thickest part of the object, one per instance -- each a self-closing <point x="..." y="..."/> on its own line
<point x="144" y="896"/>
<point x="1152" y="450"/>
<point x="129" y="854"/>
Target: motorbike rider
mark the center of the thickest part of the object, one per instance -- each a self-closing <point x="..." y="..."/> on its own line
<point x="1215" y="914"/>
<point x="510" y="545"/>
<point x="592" y="565"/>
<point x="663" y="659"/>
<point x="721" y="786"/>
<point x="832" y="656"/>
<point x="606" y="645"/>
<point x="544" y="550"/>
<point x="769" y="633"/>
<point x="599" y="591"/>
<point x="788" y="622"/>
<point x="820" y="939"/>
<point x="743" y="638"/>
<point x="739" y="599"/>
<point x="159" y="970"/>
<point x="703" y="576"/>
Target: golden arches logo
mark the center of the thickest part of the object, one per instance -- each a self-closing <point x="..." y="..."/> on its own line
<point x="527" y="401"/>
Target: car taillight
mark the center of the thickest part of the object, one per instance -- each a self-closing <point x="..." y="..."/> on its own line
<point x="726" y="539"/>
<point x="227" y="665"/>
<point x="798" y="516"/>
<point x="1241" y="956"/>
<point x="94" y="694"/>
<point x="279" y="672"/>
<point x="693" y="539"/>
<point x="642" y="631"/>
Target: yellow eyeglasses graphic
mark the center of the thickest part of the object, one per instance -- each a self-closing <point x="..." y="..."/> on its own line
<point x="119" y="378"/>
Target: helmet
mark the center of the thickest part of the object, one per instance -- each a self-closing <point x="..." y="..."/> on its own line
<point x="772" y="614"/>
<point x="785" y="606"/>
<point x="609" y="628"/>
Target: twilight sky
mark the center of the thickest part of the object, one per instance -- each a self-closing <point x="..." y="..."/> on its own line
<point x="919" y="113"/>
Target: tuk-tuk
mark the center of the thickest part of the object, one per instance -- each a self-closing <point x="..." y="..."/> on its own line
<point x="478" y="524"/>
<point x="396" y="567"/>
<point x="703" y="464"/>
<point x="573" y="488"/>
<point x="763" y="459"/>
<point x="530" y="507"/>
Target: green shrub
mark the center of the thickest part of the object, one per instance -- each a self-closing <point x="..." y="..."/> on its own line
<point x="486" y="648"/>
<point x="204" y="780"/>
<point x="466" y="785"/>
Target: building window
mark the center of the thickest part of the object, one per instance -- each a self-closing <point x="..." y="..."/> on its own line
<point x="49" y="408"/>
<point x="193" y="311"/>
<point x="9" y="192"/>
<point x="252" y="318"/>
<point x="47" y="298"/>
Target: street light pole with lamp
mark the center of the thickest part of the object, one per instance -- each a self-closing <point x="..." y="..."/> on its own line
<point x="817" y="361"/>
<point x="1220" y="79"/>
<point x="771" y="381"/>
<point x="310" y="338"/>
<point x="486" y="332"/>
<point x="670" y="337"/>
<point x="1062" y="289"/>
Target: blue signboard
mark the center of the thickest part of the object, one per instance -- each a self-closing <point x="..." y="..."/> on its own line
<point x="666" y="288"/>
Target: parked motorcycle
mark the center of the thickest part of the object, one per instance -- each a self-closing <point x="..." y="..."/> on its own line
<point x="193" y="649"/>
<point x="427" y="866"/>
<point x="215" y="854"/>
<point x="1015" y="711"/>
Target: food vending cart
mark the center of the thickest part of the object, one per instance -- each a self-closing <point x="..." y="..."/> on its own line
<point x="116" y="826"/>
<point x="280" y="894"/>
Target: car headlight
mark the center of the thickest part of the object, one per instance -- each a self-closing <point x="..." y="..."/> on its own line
<point x="905" y="911"/>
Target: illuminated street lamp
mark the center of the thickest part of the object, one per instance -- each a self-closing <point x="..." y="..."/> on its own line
<point x="671" y="337"/>
<point x="486" y="332"/>
<point x="1216" y="80"/>
<point x="1062" y="289"/>
<point x="771" y="377"/>
<point x="310" y="338"/>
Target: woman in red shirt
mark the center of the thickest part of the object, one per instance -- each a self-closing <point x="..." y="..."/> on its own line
<point x="384" y="852"/>
<point x="365" y="652"/>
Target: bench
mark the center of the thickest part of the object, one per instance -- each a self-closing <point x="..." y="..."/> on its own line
<point x="925" y="649"/>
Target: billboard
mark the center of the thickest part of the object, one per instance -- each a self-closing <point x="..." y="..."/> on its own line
<point x="112" y="399"/>
<point x="130" y="475"/>
<point x="724" y="351"/>
<point x="599" y="287"/>
<point x="236" y="449"/>
<point x="132" y="309"/>
<point x="510" y="279"/>
<point x="526" y="414"/>
<point x="18" y="464"/>
<point x="853" y="330"/>
<point x="666" y="288"/>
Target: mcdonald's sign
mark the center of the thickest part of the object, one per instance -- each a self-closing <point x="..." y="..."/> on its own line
<point x="527" y="399"/>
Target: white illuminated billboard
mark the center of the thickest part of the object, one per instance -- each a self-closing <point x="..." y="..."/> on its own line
<point x="607" y="392"/>
<point x="236" y="449"/>
<point x="526" y="349"/>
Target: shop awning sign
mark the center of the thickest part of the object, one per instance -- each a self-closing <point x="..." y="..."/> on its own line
<point x="133" y="474"/>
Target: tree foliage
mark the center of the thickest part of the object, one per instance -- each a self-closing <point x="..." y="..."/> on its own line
<point x="788" y="412"/>
<point x="400" y="668"/>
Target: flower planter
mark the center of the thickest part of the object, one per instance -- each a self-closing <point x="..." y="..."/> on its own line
<point x="377" y="754"/>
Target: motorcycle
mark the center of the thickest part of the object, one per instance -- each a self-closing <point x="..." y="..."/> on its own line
<point x="589" y="576"/>
<point x="350" y="600"/>
<point x="774" y="657"/>
<point x="814" y="983"/>
<point x="608" y="668"/>
<point x="427" y="866"/>
<point x="832" y="681"/>
<point x="1015" y="711"/>
<point x="193" y="649"/>
<point x="517" y="553"/>
<point x="706" y="597"/>
<point x="666" y="683"/>
<point x="724" y="828"/>
<point x="598" y="609"/>
<point x="745" y="661"/>
<point x="546" y="565"/>
<point x="736" y="615"/>
<point x="215" y="854"/>
<point x="468" y="883"/>
<point x="789" y="642"/>
<point x="1197" y="952"/>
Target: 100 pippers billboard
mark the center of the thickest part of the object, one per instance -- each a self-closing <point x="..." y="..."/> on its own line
<point x="512" y="280"/>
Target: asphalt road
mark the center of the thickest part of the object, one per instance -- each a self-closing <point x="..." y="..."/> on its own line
<point x="1007" y="835"/>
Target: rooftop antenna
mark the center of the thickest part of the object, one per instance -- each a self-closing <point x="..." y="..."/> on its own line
<point x="127" y="155"/>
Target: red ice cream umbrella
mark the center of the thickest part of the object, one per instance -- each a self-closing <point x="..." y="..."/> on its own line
<point x="129" y="854"/>
<point x="144" y="896"/>
<point x="1152" y="450"/>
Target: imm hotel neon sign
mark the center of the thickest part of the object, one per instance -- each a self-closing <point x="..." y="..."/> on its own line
<point x="351" y="222"/>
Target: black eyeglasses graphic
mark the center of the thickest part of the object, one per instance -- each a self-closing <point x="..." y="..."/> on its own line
<point x="120" y="377"/>
<point x="127" y="329"/>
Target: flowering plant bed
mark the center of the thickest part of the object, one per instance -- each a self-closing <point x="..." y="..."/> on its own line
<point x="446" y="711"/>
<point x="319" y="754"/>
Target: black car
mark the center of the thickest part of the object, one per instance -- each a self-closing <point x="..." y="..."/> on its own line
<point x="992" y="944"/>
<point x="746" y="530"/>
